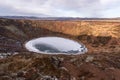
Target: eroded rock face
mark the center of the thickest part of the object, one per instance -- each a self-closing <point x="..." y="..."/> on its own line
<point x="55" y="45"/>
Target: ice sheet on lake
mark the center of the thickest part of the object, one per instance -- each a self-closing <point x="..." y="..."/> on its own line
<point x="56" y="45"/>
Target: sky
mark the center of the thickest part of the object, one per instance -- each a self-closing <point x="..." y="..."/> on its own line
<point x="61" y="8"/>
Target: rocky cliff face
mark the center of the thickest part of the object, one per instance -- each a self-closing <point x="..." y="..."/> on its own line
<point x="102" y="38"/>
<point x="76" y="28"/>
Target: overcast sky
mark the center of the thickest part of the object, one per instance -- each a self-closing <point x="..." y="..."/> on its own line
<point x="60" y="8"/>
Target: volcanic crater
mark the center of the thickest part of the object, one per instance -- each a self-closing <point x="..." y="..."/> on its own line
<point x="100" y="62"/>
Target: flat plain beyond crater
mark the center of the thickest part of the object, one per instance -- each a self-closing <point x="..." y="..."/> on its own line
<point x="101" y="38"/>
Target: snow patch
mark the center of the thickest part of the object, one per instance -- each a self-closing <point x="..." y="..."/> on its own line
<point x="55" y="45"/>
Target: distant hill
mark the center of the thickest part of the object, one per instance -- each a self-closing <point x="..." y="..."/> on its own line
<point x="56" y="18"/>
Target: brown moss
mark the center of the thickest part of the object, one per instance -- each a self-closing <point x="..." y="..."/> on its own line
<point x="16" y="66"/>
<point x="45" y="65"/>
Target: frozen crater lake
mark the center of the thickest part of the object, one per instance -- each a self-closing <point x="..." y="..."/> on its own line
<point x="55" y="45"/>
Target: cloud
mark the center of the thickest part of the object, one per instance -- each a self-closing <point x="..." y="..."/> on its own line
<point x="60" y="8"/>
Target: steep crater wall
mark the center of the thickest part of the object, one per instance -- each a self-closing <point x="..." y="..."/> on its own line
<point x="96" y="35"/>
